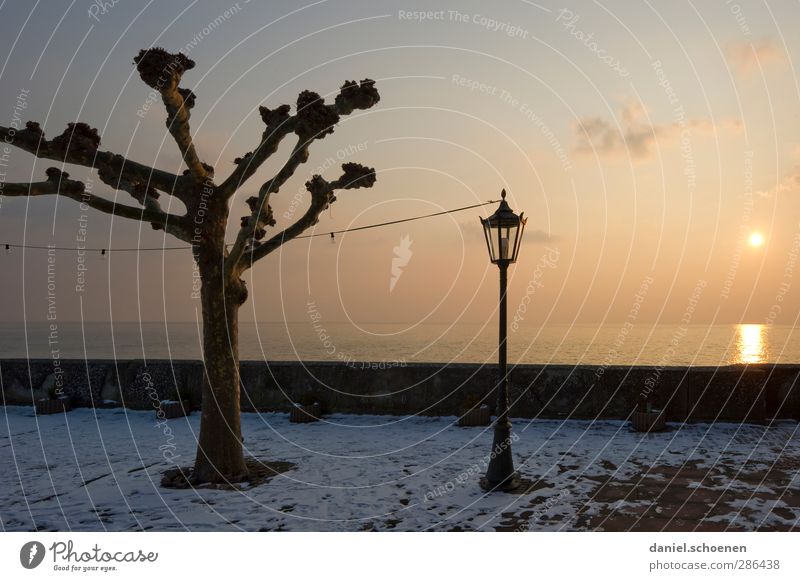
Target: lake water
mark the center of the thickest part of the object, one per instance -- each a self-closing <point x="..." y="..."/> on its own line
<point x="464" y="343"/>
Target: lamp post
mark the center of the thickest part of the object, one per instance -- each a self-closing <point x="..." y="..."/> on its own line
<point x="503" y="231"/>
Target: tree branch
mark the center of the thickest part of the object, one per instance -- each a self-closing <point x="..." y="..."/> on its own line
<point x="322" y="195"/>
<point x="58" y="183"/>
<point x="142" y="193"/>
<point x="254" y="226"/>
<point x="178" y="125"/>
<point x="279" y="125"/>
<point x="78" y="145"/>
<point x="313" y="120"/>
<point x="163" y="71"/>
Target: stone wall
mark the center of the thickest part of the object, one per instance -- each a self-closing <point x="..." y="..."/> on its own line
<point x="734" y="393"/>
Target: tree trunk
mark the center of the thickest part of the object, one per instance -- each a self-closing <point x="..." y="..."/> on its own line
<point x="219" y="453"/>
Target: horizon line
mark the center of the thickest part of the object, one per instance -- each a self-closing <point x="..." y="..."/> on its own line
<point x="340" y="322"/>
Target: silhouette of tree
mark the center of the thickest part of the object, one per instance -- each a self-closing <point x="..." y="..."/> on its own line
<point x="221" y="266"/>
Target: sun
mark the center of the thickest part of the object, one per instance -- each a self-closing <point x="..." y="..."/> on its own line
<point x="756" y="239"/>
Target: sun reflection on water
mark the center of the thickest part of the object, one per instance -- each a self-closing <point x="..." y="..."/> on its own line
<point x="751" y="344"/>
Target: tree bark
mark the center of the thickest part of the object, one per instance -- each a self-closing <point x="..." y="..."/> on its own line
<point x="220" y="455"/>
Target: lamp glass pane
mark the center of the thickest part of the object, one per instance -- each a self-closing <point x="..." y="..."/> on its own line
<point x="515" y="245"/>
<point x="491" y="241"/>
<point x="504" y="241"/>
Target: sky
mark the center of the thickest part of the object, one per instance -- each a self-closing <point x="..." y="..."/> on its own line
<point x="646" y="143"/>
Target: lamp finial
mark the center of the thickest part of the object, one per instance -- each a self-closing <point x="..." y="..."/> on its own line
<point x="503" y="194"/>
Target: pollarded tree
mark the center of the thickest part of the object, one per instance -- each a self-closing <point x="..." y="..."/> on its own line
<point x="221" y="266"/>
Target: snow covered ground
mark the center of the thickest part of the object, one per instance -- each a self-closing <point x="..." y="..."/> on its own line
<point x="100" y="470"/>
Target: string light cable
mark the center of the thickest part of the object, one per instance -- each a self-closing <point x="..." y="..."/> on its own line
<point x="331" y="235"/>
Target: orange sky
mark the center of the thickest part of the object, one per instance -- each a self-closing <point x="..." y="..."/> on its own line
<point x="644" y="142"/>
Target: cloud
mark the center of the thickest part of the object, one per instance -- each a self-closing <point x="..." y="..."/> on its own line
<point x="531" y="236"/>
<point x="538" y="237"/>
<point x="747" y="57"/>
<point x="634" y="136"/>
<point x="790" y="183"/>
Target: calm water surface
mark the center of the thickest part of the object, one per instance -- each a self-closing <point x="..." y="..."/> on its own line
<point x="465" y="343"/>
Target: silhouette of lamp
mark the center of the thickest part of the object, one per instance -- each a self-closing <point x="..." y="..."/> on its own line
<point x="503" y="231"/>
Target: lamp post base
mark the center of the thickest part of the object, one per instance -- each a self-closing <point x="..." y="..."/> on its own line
<point x="510" y="484"/>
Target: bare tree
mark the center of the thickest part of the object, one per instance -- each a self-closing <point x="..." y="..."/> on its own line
<point x="219" y="454"/>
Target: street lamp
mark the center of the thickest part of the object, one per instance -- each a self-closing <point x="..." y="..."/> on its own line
<point x="503" y="231"/>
